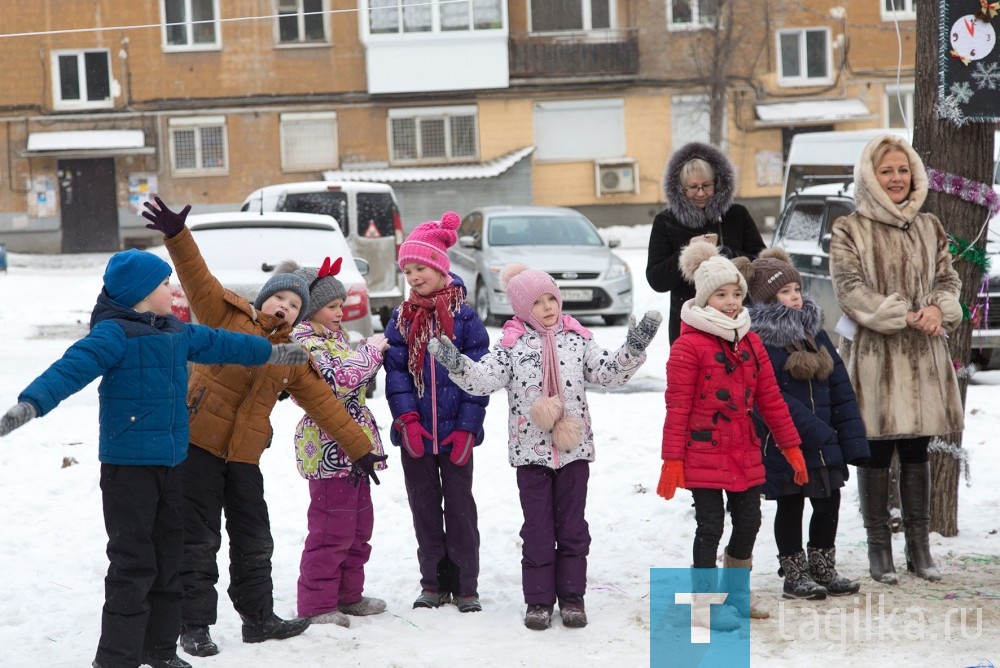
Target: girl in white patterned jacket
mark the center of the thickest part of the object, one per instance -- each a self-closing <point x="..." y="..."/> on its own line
<point x="544" y="359"/>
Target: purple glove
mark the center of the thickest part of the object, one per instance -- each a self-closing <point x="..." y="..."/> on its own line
<point x="461" y="442"/>
<point x="413" y="434"/>
<point x="164" y="220"/>
<point x="364" y="468"/>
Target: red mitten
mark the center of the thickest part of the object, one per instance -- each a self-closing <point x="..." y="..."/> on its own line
<point x="794" y="457"/>
<point x="413" y="434"/>
<point x="671" y="477"/>
<point x="461" y="442"/>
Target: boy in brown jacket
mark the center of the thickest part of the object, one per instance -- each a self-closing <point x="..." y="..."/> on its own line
<point x="230" y="408"/>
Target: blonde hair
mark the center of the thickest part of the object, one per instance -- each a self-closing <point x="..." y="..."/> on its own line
<point x="888" y="145"/>
<point x="696" y="166"/>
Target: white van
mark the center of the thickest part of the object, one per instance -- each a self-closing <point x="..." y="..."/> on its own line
<point x="368" y="214"/>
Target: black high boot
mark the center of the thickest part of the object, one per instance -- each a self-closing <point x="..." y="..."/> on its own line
<point x="798" y="582"/>
<point x="873" y="497"/>
<point x="823" y="569"/>
<point x="915" y="498"/>
<point x="196" y="641"/>
<point x="272" y="627"/>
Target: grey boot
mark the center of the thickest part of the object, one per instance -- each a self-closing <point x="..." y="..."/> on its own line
<point x="873" y="496"/>
<point x="915" y="498"/>
<point x="798" y="581"/>
<point x="823" y="569"/>
<point x="757" y="610"/>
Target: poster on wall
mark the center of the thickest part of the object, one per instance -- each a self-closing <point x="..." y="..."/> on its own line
<point x="969" y="77"/>
<point x="42" y="202"/>
<point x="141" y="188"/>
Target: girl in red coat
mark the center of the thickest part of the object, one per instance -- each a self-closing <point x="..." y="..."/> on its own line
<point x="718" y="374"/>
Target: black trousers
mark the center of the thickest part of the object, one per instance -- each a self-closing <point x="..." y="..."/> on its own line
<point x="710" y="514"/>
<point x="142" y="590"/>
<point x="911" y="451"/>
<point x="211" y="486"/>
<point x="822" y="524"/>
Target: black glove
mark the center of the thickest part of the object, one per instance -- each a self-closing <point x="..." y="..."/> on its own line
<point x="16" y="417"/>
<point x="365" y="468"/>
<point x="290" y="354"/>
<point x="165" y="220"/>
<point x="639" y="336"/>
<point x="445" y="352"/>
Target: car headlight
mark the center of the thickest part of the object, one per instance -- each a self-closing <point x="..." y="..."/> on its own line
<point x="618" y="269"/>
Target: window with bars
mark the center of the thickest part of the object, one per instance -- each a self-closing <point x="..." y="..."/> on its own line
<point x="81" y="79"/>
<point x="309" y="141"/>
<point x="804" y="57"/>
<point x="190" y="24"/>
<point x="198" y="145"/>
<point x="301" y="21"/>
<point x="687" y="14"/>
<point x="433" y="135"/>
<point x="415" y="16"/>
<point x="557" y="15"/>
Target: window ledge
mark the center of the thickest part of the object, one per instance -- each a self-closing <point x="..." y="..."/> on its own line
<point x="282" y="46"/>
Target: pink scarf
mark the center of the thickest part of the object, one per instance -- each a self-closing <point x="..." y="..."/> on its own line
<point x="420" y="318"/>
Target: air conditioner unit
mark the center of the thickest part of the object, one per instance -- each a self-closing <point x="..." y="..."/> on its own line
<point x="616" y="177"/>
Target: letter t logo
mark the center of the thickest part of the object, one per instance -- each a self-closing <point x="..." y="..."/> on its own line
<point x="701" y="613"/>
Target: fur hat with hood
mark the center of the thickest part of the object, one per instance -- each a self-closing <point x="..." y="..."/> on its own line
<point x="683" y="209"/>
<point x="873" y="202"/>
<point x="778" y="326"/>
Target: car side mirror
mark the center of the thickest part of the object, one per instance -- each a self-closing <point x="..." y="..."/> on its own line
<point x="362" y="265"/>
<point x="614" y="242"/>
<point x="824" y="242"/>
<point x="469" y="242"/>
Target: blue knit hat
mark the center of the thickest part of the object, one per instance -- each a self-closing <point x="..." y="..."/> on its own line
<point x="132" y="275"/>
<point x="285" y="281"/>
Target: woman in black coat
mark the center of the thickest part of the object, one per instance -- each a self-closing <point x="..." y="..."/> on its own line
<point x="698" y="186"/>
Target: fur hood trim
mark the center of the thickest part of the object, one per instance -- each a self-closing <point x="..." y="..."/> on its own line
<point x="780" y="326"/>
<point x="686" y="213"/>
<point x="873" y="202"/>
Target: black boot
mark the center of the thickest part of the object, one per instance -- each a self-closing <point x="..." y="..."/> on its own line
<point x="915" y="497"/>
<point x="873" y="497"/>
<point x="798" y="582"/>
<point x="173" y="661"/>
<point x="823" y="569"/>
<point x="272" y="628"/>
<point x="196" y="641"/>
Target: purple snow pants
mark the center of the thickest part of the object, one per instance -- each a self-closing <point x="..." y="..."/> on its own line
<point x="332" y="570"/>
<point x="555" y="534"/>
<point x="448" y="561"/>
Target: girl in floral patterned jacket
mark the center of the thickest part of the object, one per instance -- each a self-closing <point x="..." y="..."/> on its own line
<point x="544" y="359"/>
<point x="340" y="516"/>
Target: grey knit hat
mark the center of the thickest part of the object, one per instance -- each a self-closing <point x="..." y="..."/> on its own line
<point x="283" y="280"/>
<point x="324" y="286"/>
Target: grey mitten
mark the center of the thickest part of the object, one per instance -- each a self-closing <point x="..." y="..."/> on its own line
<point x="16" y="417"/>
<point x="289" y="354"/>
<point x="639" y="335"/>
<point x="445" y="352"/>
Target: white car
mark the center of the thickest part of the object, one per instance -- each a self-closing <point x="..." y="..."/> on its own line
<point x="242" y="250"/>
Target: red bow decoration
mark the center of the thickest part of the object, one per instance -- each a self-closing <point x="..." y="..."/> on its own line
<point x="987" y="10"/>
<point x="328" y="269"/>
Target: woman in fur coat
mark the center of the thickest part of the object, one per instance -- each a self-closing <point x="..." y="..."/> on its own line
<point x="815" y="385"/>
<point x="698" y="186"/>
<point x="897" y="358"/>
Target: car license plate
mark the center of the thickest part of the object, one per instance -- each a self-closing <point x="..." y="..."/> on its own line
<point x="577" y="295"/>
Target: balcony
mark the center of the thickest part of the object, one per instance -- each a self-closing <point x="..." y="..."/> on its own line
<point x="604" y="53"/>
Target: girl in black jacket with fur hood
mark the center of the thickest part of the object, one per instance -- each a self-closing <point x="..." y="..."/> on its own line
<point x="698" y="186"/>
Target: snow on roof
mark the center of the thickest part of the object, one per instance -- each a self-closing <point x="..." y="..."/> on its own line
<point x="483" y="170"/>
<point x="811" y="110"/>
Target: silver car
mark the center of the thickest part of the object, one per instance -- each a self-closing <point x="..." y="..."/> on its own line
<point x="593" y="280"/>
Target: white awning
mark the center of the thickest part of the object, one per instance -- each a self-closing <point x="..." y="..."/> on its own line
<point x="87" y="141"/>
<point x="811" y="112"/>
<point x="483" y="170"/>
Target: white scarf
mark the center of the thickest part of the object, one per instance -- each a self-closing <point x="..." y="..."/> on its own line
<point x="715" y="322"/>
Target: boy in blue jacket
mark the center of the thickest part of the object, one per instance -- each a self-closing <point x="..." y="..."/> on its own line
<point x="141" y="350"/>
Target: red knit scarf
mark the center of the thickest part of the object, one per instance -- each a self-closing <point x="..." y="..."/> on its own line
<point x="420" y="318"/>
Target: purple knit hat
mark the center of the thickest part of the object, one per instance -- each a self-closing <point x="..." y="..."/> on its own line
<point x="524" y="286"/>
<point x="429" y="242"/>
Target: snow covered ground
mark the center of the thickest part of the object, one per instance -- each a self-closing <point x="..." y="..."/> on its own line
<point x="52" y="557"/>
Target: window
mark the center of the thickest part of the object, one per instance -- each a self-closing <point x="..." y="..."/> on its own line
<point x="190" y="24"/>
<point x="301" y="21"/>
<point x="580" y="129"/>
<point x="198" y="145"/>
<point x="554" y="15"/>
<point x="899" y="10"/>
<point x="439" y="134"/>
<point x="896" y="97"/>
<point x="414" y="16"/>
<point x="309" y="141"/>
<point x="691" y="14"/>
<point x="81" y="79"/>
<point x="690" y="120"/>
<point x="804" y="57"/>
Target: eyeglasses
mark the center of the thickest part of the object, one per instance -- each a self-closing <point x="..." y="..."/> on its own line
<point x="705" y="187"/>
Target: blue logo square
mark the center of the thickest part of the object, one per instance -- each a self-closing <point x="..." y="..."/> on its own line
<point x="699" y="617"/>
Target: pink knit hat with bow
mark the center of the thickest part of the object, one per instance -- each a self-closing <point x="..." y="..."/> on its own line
<point x="429" y="242"/>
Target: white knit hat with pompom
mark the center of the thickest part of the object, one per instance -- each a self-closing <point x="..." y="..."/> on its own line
<point x="702" y="265"/>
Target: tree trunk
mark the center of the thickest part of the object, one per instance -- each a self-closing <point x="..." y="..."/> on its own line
<point x="968" y="152"/>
